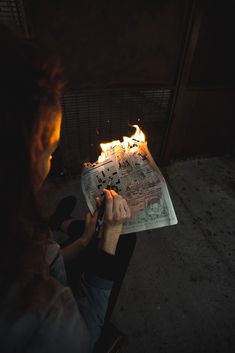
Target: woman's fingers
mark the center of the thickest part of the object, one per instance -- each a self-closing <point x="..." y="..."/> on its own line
<point x="108" y="205"/>
<point x="117" y="209"/>
<point x="121" y="208"/>
<point x="126" y="208"/>
<point x="117" y="200"/>
<point x="98" y="202"/>
<point x="90" y="223"/>
<point x="91" y="219"/>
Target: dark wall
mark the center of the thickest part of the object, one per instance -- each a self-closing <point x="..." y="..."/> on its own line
<point x="204" y="126"/>
<point x="214" y="58"/>
<point x="137" y="43"/>
<point x="204" y="122"/>
<point x="112" y="42"/>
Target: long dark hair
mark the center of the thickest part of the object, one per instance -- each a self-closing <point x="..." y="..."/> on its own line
<point x="30" y="89"/>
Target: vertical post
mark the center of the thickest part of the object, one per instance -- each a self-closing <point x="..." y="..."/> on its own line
<point x="184" y="68"/>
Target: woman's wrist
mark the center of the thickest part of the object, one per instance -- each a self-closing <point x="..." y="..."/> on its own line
<point x="85" y="239"/>
<point x="71" y="250"/>
<point x="83" y="242"/>
<point x="110" y="237"/>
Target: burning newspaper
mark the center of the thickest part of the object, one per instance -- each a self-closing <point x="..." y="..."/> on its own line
<point x="130" y="169"/>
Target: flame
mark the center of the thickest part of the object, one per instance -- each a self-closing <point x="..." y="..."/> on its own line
<point x="138" y="135"/>
<point x="127" y="141"/>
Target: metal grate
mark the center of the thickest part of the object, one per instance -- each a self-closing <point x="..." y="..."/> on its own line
<point x="12" y="14"/>
<point x="92" y="117"/>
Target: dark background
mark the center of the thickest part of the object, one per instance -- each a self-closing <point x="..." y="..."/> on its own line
<point x="168" y="65"/>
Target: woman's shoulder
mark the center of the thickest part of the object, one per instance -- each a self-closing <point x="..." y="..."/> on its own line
<point x="34" y="297"/>
<point x="42" y="314"/>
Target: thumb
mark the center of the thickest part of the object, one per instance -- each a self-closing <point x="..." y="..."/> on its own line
<point x="88" y="218"/>
<point x="95" y="215"/>
<point x="92" y="218"/>
<point x="98" y="201"/>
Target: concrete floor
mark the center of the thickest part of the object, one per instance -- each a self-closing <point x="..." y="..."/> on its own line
<point x="179" y="292"/>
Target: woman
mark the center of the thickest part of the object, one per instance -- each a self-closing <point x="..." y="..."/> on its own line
<point x="38" y="312"/>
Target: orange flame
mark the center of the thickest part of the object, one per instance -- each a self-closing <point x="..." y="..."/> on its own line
<point x="127" y="141"/>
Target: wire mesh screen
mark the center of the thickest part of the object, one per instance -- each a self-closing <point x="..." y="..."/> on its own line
<point x="12" y="14"/>
<point x="92" y="117"/>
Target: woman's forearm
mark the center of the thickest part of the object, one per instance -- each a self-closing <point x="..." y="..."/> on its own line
<point x="70" y="251"/>
<point x="109" y="239"/>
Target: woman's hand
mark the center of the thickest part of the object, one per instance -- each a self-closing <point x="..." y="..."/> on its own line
<point x="90" y="224"/>
<point x="70" y="251"/>
<point x="117" y="212"/>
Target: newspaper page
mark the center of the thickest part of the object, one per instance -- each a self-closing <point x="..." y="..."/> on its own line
<point x="133" y="174"/>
